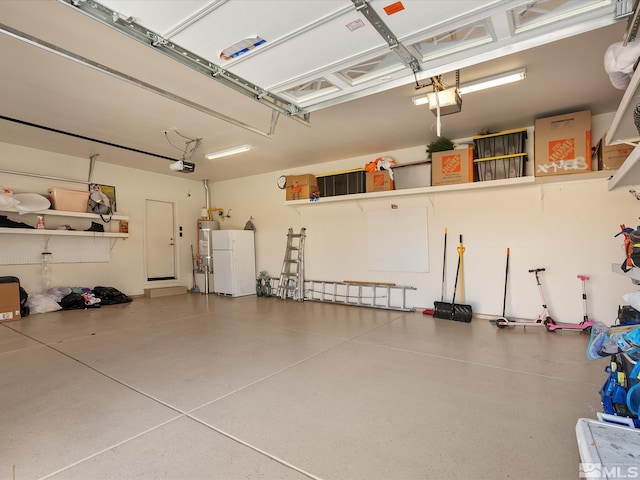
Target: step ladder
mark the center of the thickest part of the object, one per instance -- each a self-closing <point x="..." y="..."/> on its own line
<point x="291" y="284"/>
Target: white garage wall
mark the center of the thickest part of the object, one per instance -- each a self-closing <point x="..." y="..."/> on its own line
<point x="566" y="227"/>
<point x="126" y="269"/>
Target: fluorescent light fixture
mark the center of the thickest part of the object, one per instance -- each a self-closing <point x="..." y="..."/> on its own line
<point x="420" y="99"/>
<point x="227" y="152"/>
<point x="482" y="84"/>
<point x="494" y="81"/>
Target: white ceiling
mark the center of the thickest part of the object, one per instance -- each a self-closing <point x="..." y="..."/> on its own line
<point x="340" y="93"/>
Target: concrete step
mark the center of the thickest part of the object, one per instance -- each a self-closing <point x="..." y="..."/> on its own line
<point x="164" y="291"/>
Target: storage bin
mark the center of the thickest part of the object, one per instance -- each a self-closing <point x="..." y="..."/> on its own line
<point x="509" y="166"/>
<point x="500" y="155"/>
<point x="412" y="175"/>
<point x="69" y="200"/>
<point x="502" y="143"/>
<point x="345" y="183"/>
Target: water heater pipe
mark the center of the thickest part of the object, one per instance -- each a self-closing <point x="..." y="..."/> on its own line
<point x="205" y="184"/>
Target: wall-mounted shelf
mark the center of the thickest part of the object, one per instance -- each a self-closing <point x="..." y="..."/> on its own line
<point x="628" y="173"/>
<point x="62" y="213"/>
<point x="70" y="233"/>
<point x="623" y="128"/>
<point x="633" y="274"/>
<point x="415" y="191"/>
<point x="506" y="183"/>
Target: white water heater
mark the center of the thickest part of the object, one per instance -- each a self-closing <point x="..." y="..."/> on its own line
<point x="205" y="244"/>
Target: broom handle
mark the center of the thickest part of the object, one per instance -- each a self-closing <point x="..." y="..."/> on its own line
<point x="461" y="268"/>
<point x="506" y="276"/>
<point x="444" y="265"/>
<point x="455" y="285"/>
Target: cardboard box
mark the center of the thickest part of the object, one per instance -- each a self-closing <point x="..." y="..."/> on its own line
<point x="379" y="181"/>
<point x="301" y="187"/>
<point x="452" y="166"/>
<point x="9" y="301"/>
<point x="563" y="144"/>
<point x="69" y="200"/>
<point x="613" y="156"/>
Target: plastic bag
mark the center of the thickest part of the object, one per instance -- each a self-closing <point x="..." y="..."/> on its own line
<point x="42" y="303"/>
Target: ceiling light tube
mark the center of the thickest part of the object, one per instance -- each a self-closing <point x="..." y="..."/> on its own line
<point x="227" y="152"/>
<point x="481" y="84"/>
<point x="494" y="81"/>
<point x="420" y="99"/>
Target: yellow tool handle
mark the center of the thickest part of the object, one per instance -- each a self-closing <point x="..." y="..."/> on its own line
<point x="461" y="250"/>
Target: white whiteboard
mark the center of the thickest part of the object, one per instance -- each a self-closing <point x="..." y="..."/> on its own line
<point x="397" y="240"/>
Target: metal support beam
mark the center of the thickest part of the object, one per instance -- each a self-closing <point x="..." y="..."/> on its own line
<point x="385" y="32"/>
<point x="127" y="78"/>
<point x="132" y="29"/>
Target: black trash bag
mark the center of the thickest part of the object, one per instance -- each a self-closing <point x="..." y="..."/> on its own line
<point x="110" y="296"/>
<point x="75" y="301"/>
<point x="24" y="308"/>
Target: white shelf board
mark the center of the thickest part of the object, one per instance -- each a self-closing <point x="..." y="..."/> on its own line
<point x="633" y="274"/>
<point x="506" y="183"/>
<point x="68" y="233"/>
<point x="628" y="173"/>
<point x="623" y="129"/>
<point x="575" y="177"/>
<point x="417" y="191"/>
<point x="63" y="213"/>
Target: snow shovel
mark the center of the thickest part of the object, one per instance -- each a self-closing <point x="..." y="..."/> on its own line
<point x="453" y="311"/>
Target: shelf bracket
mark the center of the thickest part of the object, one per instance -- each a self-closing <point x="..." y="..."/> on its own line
<point x="541" y="199"/>
<point x="92" y="163"/>
<point x="430" y="200"/>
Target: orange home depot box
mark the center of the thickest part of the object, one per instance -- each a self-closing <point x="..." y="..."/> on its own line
<point x="379" y="181"/>
<point x="9" y="301"/>
<point x="452" y="166"/>
<point x="563" y="144"/>
<point x="613" y="156"/>
<point x="300" y="187"/>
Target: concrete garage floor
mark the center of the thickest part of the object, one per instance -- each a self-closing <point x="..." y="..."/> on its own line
<point x="206" y="387"/>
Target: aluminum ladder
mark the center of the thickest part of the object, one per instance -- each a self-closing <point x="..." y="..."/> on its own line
<point x="388" y="296"/>
<point x="291" y="282"/>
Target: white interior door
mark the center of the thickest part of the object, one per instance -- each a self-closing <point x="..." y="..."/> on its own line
<point x="160" y="235"/>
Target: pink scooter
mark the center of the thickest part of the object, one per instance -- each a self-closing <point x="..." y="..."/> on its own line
<point x="584" y="326"/>
<point x="544" y="318"/>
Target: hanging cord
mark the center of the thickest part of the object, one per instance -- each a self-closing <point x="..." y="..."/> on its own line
<point x="190" y="146"/>
<point x="46" y="269"/>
